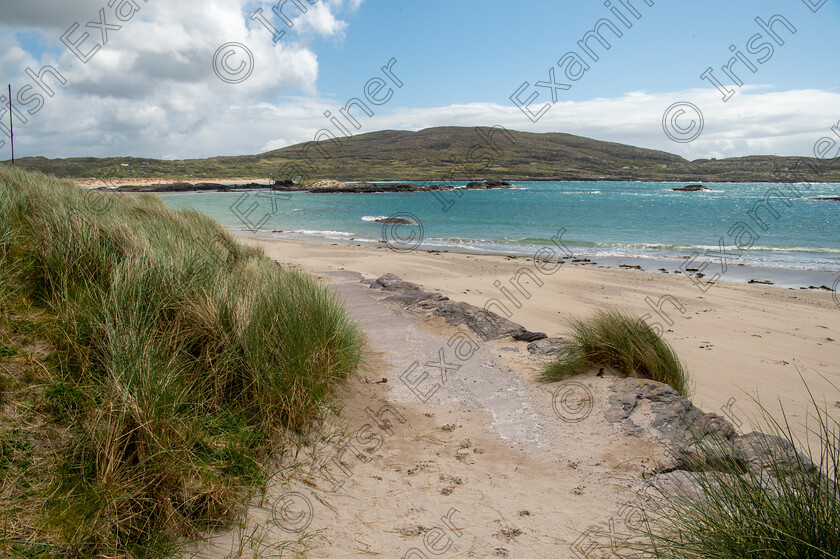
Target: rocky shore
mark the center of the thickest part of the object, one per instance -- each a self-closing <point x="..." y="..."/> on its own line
<point x="321" y="187"/>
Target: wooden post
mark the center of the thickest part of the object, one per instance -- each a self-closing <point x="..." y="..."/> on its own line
<point x="11" y="125"/>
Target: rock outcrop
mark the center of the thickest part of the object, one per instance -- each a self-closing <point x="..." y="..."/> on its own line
<point x="488" y="325"/>
<point x="190" y="187"/>
<point x="489" y="183"/>
<point x="702" y="449"/>
<point x="690" y="188"/>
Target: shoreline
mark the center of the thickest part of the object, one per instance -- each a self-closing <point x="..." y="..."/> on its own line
<point x="803" y="279"/>
<point x="97" y="182"/>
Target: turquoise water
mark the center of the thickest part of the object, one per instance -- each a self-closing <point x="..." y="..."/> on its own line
<point x="637" y="220"/>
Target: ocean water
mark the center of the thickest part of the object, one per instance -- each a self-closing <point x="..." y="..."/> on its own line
<point x="613" y="222"/>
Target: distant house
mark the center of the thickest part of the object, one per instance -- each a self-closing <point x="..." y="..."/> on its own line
<point x="125" y="165"/>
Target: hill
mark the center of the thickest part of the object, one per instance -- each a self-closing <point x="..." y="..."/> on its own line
<point x="436" y="154"/>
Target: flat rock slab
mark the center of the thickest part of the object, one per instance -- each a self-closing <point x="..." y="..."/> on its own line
<point x="488" y="325"/>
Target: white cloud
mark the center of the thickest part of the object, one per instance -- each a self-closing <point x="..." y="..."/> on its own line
<point x="152" y="88"/>
<point x="319" y="19"/>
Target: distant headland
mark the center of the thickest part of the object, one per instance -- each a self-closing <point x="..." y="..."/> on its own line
<point x="444" y="154"/>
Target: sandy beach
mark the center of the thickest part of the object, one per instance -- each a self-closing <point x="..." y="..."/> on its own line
<point x="490" y="466"/>
<point x="737" y="340"/>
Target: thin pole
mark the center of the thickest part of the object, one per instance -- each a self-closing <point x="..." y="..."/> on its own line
<point x="11" y="125"/>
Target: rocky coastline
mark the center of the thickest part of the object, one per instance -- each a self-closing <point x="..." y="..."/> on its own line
<point x="320" y="187"/>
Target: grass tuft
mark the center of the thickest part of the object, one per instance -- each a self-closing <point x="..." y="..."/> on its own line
<point x="612" y="338"/>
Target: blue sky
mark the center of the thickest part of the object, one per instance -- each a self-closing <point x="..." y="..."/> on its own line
<point x="151" y="90"/>
<point x="472" y="51"/>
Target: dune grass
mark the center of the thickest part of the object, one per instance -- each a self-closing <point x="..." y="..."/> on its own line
<point x="174" y="362"/>
<point x="791" y="509"/>
<point x="612" y="338"/>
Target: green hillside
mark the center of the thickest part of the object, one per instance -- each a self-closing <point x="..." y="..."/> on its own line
<point x="455" y="153"/>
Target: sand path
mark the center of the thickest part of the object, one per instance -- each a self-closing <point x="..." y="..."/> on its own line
<point x="490" y="464"/>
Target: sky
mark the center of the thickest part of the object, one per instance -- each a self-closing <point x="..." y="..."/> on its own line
<point x="188" y="79"/>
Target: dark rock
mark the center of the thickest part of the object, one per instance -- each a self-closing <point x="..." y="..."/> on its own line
<point x="489" y="184"/>
<point x="488" y="325"/>
<point x="546" y="346"/>
<point x="397" y="220"/>
<point x="530" y="336"/>
<point x="497" y="183"/>
<point x="690" y="188"/>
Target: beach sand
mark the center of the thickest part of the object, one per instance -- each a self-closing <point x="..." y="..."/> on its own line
<point x="736" y="340"/>
<point x="488" y="466"/>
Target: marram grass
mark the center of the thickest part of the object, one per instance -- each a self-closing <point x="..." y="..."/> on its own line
<point x="181" y="361"/>
<point x="790" y="509"/>
<point x="612" y="338"/>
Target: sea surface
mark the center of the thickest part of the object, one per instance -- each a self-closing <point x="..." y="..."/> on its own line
<point x="612" y="223"/>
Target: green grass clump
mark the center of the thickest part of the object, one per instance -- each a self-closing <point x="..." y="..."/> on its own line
<point x="790" y="510"/>
<point x="612" y="338"/>
<point x="180" y="362"/>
